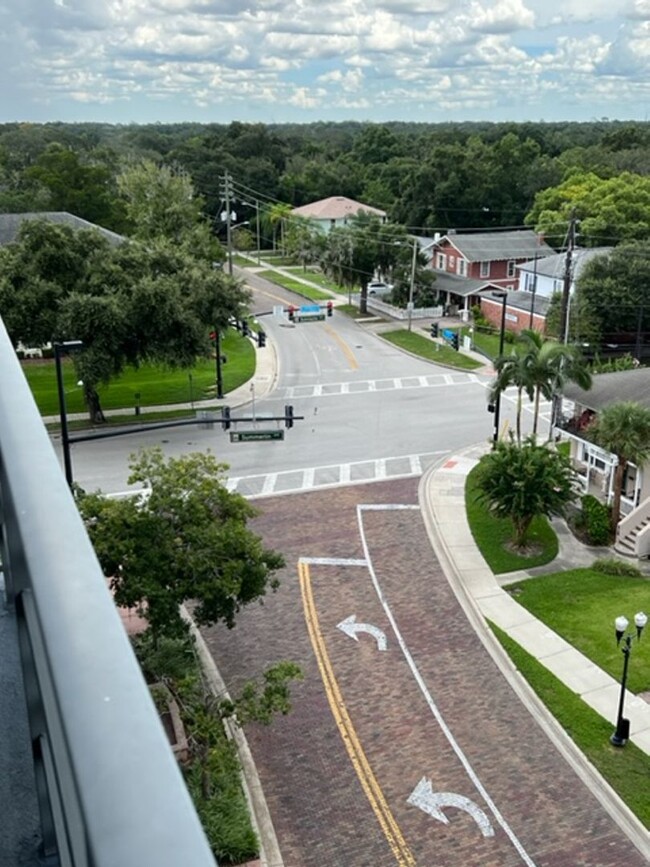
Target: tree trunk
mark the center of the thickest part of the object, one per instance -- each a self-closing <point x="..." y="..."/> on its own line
<point x="519" y="411"/>
<point x="536" y="411"/>
<point x="363" y="299"/>
<point x="95" y="412"/>
<point x="619" y="475"/>
<point x="521" y="526"/>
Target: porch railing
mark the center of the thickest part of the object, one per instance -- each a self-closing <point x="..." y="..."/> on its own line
<point x="109" y="789"/>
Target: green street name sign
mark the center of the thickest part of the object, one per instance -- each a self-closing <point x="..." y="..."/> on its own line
<point x="242" y="436"/>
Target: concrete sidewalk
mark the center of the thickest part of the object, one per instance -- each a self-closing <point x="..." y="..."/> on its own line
<point x="442" y="495"/>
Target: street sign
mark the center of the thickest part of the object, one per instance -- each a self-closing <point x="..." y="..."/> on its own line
<point x="242" y="436"/>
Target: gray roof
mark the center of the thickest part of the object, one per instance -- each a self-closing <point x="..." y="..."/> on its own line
<point x="610" y="388"/>
<point x="521" y="301"/>
<point x="462" y="286"/>
<point x="494" y="246"/>
<point x="10" y="225"/>
<point x="553" y="266"/>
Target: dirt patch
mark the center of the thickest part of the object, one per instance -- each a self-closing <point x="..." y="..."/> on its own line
<point x="529" y="550"/>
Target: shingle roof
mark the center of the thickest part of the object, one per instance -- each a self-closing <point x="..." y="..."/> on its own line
<point x="335" y="208"/>
<point x="10" y="225"/>
<point x="553" y="266"/>
<point x="610" y="388"/>
<point x="521" y="301"/>
<point x="462" y="286"/>
<point x="494" y="246"/>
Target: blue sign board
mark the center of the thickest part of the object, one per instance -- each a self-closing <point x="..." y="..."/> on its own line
<point x="448" y="334"/>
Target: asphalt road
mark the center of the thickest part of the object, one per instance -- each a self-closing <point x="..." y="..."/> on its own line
<point x="371" y="412"/>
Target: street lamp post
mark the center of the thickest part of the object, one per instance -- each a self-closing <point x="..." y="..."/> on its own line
<point x="622" y="733"/>
<point x="497" y="403"/>
<point x="59" y="349"/>
<point x="217" y="349"/>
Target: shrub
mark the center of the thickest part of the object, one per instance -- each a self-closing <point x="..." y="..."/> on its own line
<point x="595" y="520"/>
<point x="509" y="336"/>
<point x="612" y="566"/>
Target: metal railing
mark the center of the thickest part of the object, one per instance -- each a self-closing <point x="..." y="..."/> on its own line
<point x="109" y="789"/>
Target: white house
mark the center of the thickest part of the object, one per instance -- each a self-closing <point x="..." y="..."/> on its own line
<point x="545" y="275"/>
<point x="335" y="211"/>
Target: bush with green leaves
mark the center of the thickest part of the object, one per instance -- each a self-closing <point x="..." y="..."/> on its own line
<point x="595" y="520"/>
<point x="612" y="566"/>
<point x="522" y="481"/>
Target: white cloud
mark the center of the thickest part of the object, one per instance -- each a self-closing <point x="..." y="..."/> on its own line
<point x="504" y="16"/>
<point x="414" y="58"/>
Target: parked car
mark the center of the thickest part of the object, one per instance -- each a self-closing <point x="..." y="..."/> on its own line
<point x="378" y="287"/>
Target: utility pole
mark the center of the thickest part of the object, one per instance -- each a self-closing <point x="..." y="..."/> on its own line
<point x="532" y="300"/>
<point x="412" y="283"/>
<point x="566" y="287"/>
<point x="228" y="215"/>
<point x="564" y="314"/>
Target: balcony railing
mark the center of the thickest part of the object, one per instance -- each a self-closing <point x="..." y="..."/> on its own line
<point x="109" y="790"/>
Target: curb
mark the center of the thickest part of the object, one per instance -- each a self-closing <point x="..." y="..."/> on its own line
<point x="270" y="855"/>
<point x="598" y="786"/>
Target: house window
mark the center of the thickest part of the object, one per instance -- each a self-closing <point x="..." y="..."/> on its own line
<point x="484" y="269"/>
<point x="511" y="268"/>
<point x="452" y="263"/>
<point x="441" y="262"/>
<point x="461" y="269"/>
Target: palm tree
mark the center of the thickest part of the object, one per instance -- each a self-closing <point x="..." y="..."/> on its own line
<point x="514" y="369"/>
<point x="623" y="429"/>
<point x="550" y="365"/>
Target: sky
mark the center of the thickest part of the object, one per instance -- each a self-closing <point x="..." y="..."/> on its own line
<point x="279" y="61"/>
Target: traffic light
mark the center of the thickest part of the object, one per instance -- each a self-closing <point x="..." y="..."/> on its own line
<point x="491" y="407"/>
<point x="434" y="329"/>
<point x="261" y="338"/>
<point x="291" y="312"/>
<point x="225" y="417"/>
<point x="288" y="416"/>
<point x="245" y="329"/>
<point x="454" y="340"/>
<point x="329" y="308"/>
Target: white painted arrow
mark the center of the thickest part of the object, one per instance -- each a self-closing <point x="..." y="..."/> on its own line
<point x="432" y="803"/>
<point x="351" y="627"/>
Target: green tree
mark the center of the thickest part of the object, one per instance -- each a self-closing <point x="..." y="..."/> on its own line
<point x="273" y="218"/>
<point x="185" y="540"/>
<point x="127" y="304"/>
<point x="551" y="366"/>
<point x="538" y="368"/>
<point x="610" y="210"/>
<point x="521" y="482"/>
<point x="624" y="429"/>
<point x="82" y="186"/>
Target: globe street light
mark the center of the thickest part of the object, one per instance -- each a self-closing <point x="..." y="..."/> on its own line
<point x="622" y="733"/>
<point x="496" y="407"/>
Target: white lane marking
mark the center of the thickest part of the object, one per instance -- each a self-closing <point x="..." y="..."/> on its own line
<point x="332" y="561"/>
<point x="380" y="468"/>
<point x="308" y="478"/>
<point x="344" y="474"/>
<point x="416" y="466"/>
<point x="351" y="628"/>
<point x="364" y="386"/>
<point x="432" y="803"/>
<point x="432" y="705"/>
<point x="389" y="507"/>
<point x="269" y="483"/>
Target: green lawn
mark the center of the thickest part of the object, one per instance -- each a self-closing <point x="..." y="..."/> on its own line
<point x="324" y="281"/>
<point x="626" y="770"/>
<point x="581" y="605"/>
<point x="426" y="348"/>
<point x="491" y="534"/>
<point x="155" y="384"/>
<point x="488" y="344"/>
<point x="352" y="311"/>
<point x="296" y="286"/>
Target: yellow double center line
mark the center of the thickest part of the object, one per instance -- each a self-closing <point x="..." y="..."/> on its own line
<point x="357" y="756"/>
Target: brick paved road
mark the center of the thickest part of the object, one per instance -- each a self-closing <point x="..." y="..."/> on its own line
<point x="325" y="813"/>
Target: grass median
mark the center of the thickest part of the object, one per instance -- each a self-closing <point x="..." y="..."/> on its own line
<point x="429" y="349"/>
<point x="296" y="286"/>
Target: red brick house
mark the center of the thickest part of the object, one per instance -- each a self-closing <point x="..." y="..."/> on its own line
<point x="489" y="256"/>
